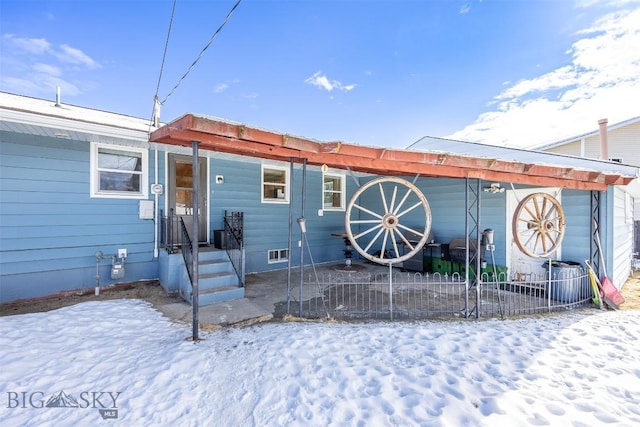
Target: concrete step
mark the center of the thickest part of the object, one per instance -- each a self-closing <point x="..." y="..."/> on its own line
<point x="210" y="254"/>
<point x="220" y="294"/>
<point x="217" y="280"/>
<point x="215" y="266"/>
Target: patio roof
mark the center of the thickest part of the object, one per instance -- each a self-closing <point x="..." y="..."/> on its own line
<point x="528" y="167"/>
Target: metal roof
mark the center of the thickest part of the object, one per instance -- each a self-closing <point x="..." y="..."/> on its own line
<point x="518" y="155"/>
<point x="46" y="118"/>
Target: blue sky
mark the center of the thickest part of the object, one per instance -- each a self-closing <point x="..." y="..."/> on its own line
<point x="380" y="73"/>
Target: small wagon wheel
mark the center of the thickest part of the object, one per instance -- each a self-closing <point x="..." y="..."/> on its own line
<point x="538" y="225"/>
<point x="361" y="223"/>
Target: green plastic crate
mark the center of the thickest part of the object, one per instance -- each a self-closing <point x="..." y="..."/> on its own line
<point x="472" y="271"/>
<point x="455" y="267"/>
<point x="442" y="266"/>
<point x="427" y="264"/>
<point x="488" y="275"/>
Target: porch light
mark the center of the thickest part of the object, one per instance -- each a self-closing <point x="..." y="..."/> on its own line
<point x="494" y="188"/>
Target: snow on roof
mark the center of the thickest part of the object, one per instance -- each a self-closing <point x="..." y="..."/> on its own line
<point x="517" y="155"/>
<point x="18" y="103"/>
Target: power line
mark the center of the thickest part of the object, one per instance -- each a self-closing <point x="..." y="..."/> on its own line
<point x="166" y="47"/>
<point x="155" y="116"/>
<point x="201" y="52"/>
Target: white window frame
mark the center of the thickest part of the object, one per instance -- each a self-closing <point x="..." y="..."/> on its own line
<point x="287" y="182"/>
<point x="94" y="180"/>
<point x="279" y="257"/>
<point x="342" y="191"/>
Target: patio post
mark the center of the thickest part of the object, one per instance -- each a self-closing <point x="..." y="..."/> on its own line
<point x="290" y="245"/>
<point x="302" y="235"/>
<point x="196" y="237"/>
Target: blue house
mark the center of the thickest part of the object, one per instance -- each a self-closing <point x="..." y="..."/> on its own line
<point x="93" y="198"/>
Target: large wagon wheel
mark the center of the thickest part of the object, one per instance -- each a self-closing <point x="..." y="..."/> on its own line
<point x="388" y="223"/>
<point x="538" y="225"/>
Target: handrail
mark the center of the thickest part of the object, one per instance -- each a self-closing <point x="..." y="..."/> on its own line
<point x="169" y="231"/>
<point x="187" y="249"/>
<point x="233" y="230"/>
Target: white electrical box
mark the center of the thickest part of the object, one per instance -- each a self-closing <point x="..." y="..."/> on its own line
<point x="157" y="189"/>
<point x="146" y="209"/>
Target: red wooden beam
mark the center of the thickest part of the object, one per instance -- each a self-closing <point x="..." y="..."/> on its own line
<point x="389" y="162"/>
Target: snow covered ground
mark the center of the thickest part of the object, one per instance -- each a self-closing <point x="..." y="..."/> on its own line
<point x="122" y="363"/>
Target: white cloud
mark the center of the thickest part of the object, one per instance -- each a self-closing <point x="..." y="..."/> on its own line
<point x="321" y="81"/>
<point x="600" y="82"/>
<point x="34" y="66"/>
<point x="220" y="87"/>
<point x="27" y="45"/>
<point x="72" y="55"/>
<point x="47" y="69"/>
<point x="37" y="47"/>
<point x="38" y="84"/>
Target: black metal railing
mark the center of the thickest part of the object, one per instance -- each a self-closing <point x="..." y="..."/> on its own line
<point x="187" y="249"/>
<point x="233" y="242"/>
<point x="170" y="234"/>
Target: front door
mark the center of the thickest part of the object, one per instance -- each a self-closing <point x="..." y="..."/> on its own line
<point x="180" y="193"/>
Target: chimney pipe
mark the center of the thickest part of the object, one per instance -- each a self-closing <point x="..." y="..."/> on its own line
<point x="58" y="104"/>
<point x="604" y="145"/>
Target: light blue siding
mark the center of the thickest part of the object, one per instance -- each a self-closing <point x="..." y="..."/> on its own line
<point x="267" y="224"/>
<point x="50" y="228"/>
<point x="493" y="215"/>
<point x="447" y="200"/>
<point x="619" y="261"/>
<point x="577" y="239"/>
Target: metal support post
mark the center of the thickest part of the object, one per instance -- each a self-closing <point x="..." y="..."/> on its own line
<point x="594" y="228"/>
<point x="290" y="237"/>
<point x="472" y="233"/>
<point x="195" y="240"/>
<point x="302" y="235"/>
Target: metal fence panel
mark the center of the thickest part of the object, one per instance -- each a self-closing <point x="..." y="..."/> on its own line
<point x="429" y="296"/>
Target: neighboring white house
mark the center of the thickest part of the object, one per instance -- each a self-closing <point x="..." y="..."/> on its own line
<point x="618" y="142"/>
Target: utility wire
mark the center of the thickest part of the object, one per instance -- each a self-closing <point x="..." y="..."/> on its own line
<point x="166" y="47"/>
<point x="202" y="51"/>
<point x="155" y="115"/>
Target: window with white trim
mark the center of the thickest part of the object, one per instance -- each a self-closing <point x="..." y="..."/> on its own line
<point x="278" y="255"/>
<point x="119" y="172"/>
<point x="333" y="191"/>
<point x="275" y="184"/>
